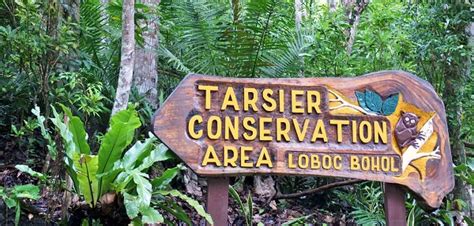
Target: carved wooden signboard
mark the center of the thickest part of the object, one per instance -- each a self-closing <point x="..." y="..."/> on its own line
<point x="388" y="126"/>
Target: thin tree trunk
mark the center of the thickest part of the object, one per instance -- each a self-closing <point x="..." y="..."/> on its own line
<point x="145" y="73"/>
<point x="354" y="10"/>
<point x="299" y="13"/>
<point x="127" y="57"/>
<point x="470" y="33"/>
<point x="332" y="5"/>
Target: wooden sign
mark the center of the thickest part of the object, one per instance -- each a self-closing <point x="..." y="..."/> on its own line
<point x="387" y="126"/>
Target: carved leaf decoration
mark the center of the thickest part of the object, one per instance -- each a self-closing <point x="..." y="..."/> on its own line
<point x="361" y="99"/>
<point x="373" y="100"/>
<point x="390" y="104"/>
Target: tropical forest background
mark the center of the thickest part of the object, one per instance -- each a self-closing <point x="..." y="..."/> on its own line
<point x="80" y="81"/>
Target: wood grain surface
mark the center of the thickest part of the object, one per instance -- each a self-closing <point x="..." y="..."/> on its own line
<point x="429" y="174"/>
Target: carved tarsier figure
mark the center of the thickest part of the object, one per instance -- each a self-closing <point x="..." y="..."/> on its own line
<point x="405" y="130"/>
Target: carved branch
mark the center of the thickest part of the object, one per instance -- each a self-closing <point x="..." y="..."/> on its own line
<point x="344" y="103"/>
<point x="412" y="153"/>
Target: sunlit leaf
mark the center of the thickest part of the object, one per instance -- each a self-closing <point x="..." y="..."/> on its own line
<point x="119" y="136"/>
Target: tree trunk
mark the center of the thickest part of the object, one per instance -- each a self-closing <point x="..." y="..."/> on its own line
<point x="299" y="13"/>
<point x="127" y="57"/>
<point x="332" y="5"/>
<point x="452" y="96"/>
<point x="353" y="10"/>
<point x="470" y="32"/>
<point x="145" y="72"/>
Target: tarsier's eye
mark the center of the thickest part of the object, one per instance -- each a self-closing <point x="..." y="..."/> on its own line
<point x="413" y="121"/>
<point x="406" y="119"/>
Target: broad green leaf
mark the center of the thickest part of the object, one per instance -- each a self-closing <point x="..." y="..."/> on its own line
<point x="70" y="147"/>
<point x="144" y="188"/>
<point x="120" y="183"/>
<point x="175" y="210"/>
<point x="136" y="222"/>
<point x="65" y="134"/>
<point x="119" y="136"/>
<point x="159" y="154"/>
<point x="373" y="101"/>
<point x="27" y="191"/>
<point x="390" y="104"/>
<point x="44" y="132"/>
<point x="86" y="166"/>
<point x="150" y="215"/>
<point x="31" y="172"/>
<point x="79" y="134"/>
<point x="138" y="151"/>
<point x="165" y="178"/>
<point x="10" y="202"/>
<point x="193" y="203"/>
<point x="131" y="205"/>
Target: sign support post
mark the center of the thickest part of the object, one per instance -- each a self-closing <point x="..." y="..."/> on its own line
<point x="394" y="204"/>
<point x="218" y="199"/>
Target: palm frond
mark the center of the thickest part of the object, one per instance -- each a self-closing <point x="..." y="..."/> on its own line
<point x="92" y="24"/>
<point x="172" y="59"/>
<point x="288" y="61"/>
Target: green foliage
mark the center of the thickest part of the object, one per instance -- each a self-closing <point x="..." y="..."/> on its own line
<point x="77" y="90"/>
<point x="296" y="221"/>
<point x="118" y="169"/>
<point x="246" y="210"/>
<point x="190" y="201"/>
<point x="203" y="37"/>
<point x="13" y="196"/>
<point x="445" y="215"/>
<point x="366" y="202"/>
<point x="56" y="52"/>
<point x="466" y="171"/>
<point x="85" y="167"/>
<point x="31" y="172"/>
<point x="132" y="180"/>
<point x="119" y="136"/>
<point x="51" y="144"/>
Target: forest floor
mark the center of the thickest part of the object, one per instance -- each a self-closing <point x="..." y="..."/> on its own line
<point x="50" y="208"/>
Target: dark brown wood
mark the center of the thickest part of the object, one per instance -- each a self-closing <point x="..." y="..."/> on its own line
<point x="394" y="199"/>
<point x="415" y="154"/>
<point x="218" y="199"/>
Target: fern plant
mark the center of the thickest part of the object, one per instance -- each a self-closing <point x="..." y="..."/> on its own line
<point x="366" y="202"/>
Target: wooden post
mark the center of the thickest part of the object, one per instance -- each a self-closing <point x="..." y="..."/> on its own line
<point x="218" y="199"/>
<point x="394" y="199"/>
